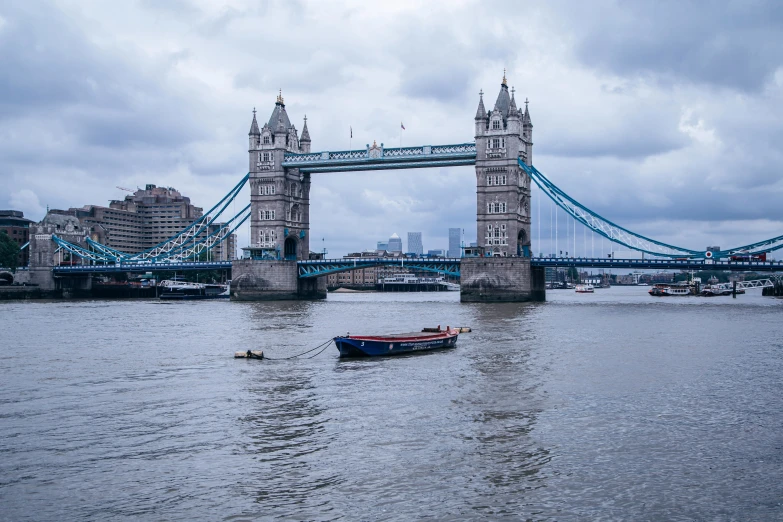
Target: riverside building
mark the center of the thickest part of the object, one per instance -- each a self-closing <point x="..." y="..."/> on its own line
<point x="13" y="223"/>
<point x="146" y="218"/>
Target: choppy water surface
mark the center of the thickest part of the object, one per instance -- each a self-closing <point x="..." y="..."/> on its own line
<point x="608" y="406"/>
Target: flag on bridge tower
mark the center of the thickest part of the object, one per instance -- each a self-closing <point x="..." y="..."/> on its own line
<point x="351" y="131"/>
<point x="402" y="126"/>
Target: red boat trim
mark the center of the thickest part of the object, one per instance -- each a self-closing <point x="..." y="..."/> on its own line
<point x="433" y="337"/>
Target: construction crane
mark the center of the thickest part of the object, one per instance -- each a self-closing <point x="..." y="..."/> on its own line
<point x="125" y="189"/>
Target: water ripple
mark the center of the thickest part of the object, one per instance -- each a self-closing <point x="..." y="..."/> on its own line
<point x="603" y="407"/>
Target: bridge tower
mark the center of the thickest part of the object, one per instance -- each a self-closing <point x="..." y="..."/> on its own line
<point x="280" y="215"/>
<point x="503" y="136"/>
<point x="279" y="197"/>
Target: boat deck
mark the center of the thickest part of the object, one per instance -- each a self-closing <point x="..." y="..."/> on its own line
<point x="410" y="335"/>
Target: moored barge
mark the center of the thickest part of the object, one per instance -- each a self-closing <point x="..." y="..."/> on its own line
<point x="396" y="344"/>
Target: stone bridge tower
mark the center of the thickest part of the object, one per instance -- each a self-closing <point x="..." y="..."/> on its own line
<point x="279" y="197"/>
<point x="503" y="135"/>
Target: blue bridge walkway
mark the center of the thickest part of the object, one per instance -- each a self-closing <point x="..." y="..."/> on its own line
<point x="141" y="267"/>
<point x="660" y="264"/>
<point x="450" y="267"/>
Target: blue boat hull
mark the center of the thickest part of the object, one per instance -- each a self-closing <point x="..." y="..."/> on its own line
<point x="356" y="347"/>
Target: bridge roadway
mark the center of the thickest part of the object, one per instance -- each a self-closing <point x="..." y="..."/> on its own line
<point x="321" y="267"/>
<point x="660" y="264"/>
<point x="140" y="267"/>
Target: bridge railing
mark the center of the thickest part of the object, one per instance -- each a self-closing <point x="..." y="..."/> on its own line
<point x="138" y="267"/>
<point x="660" y="263"/>
<point x="385" y="260"/>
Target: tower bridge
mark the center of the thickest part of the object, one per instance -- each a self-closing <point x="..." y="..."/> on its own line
<point x="281" y="166"/>
<point x="277" y="262"/>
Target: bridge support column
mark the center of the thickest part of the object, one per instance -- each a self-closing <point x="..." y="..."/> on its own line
<point x="257" y="280"/>
<point x="500" y="279"/>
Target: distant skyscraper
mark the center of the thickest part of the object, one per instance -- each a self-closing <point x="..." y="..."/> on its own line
<point x="414" y="243"/>
<point x="454" y="246"/>
<point x="383" y="245"/>
<point x="395" y="243"/>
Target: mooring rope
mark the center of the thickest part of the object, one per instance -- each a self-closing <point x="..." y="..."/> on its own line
<point x="323" y="347"/>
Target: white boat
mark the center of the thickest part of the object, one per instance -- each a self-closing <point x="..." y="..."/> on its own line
<point x="584" y="289"/>
<point x="662" y="290"/>
<point x="183" y="290"/>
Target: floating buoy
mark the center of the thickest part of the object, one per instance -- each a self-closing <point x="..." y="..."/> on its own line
<point x="250" y="354"/>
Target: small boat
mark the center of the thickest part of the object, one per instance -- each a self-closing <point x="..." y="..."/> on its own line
<point x="395" y="344"/>
<point x="250" y="354"/>
<point x="584" y="289"/>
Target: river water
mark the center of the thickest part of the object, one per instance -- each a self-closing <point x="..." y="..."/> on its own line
<point x="610" y="406"/>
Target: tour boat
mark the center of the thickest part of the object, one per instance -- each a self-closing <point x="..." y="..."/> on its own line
<point x="661" y="290"/>
<point x="585" y="289"/>
<point x="395" y="344"/>
<point x="181" y="290"/>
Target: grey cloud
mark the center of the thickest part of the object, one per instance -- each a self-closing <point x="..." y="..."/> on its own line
<point x="442" y="58"/>
<point x="177" y="8"/>
<point x="436" y="81"/>
<point x="608" y="86"/>
<point x="732" y="44"/>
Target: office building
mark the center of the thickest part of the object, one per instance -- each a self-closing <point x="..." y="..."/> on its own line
<point x="414" y="243"/>
<point x="395" y="243"/>
<point x="454" y="242"/>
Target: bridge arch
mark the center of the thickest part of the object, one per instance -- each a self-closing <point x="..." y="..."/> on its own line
<point x="523" y="244"/>
<point x="290" y="248"/>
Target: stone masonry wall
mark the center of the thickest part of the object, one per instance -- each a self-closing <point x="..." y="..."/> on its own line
<point x="256" y="280"/>
<point x="495" y="279"/>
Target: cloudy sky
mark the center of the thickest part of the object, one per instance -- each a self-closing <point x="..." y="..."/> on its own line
<point x="665" y="117"/>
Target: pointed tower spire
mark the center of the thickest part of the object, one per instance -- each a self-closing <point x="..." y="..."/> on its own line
<point x="504" y="78"/>
<point x="526" y="118"/>
<point x="280" y="127"/>
<point x="305" y="132"/>
<point x="481" y="112"/>
<point x="513" y="106"/>
<point x="504" y="99"/>
<point x="254" y="126"/>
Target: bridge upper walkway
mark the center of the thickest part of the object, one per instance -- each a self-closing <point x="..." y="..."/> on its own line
<point x="380" y="158"/>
